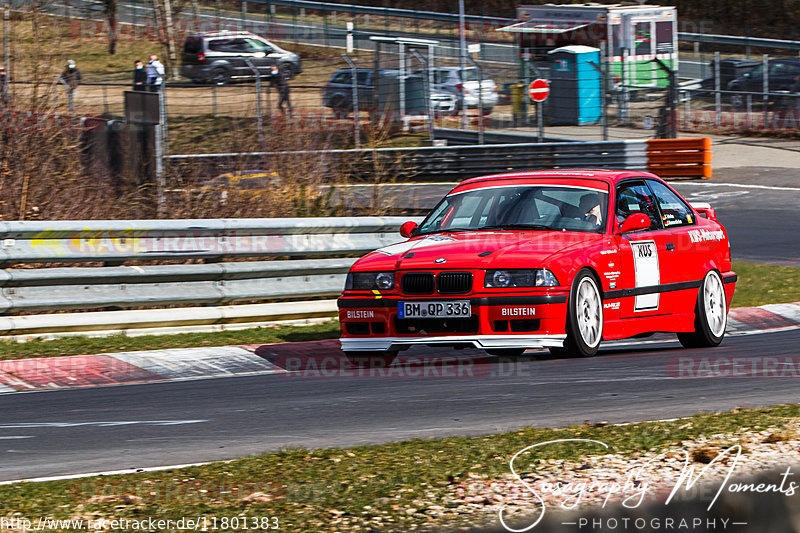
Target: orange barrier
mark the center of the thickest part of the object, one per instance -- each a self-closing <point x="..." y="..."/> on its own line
<point x="684" y="158"/>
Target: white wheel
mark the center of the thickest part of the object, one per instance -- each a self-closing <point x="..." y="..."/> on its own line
<point x="589" y="309"/>
<point x="584" y="317"/>
<point x="711" y="314"/>
<point x="714" y="303"/>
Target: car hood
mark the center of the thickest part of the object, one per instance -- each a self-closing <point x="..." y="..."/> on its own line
<point x="477" y="249"/>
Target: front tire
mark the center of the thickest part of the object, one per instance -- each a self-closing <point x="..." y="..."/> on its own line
<point x="710" y="314"/>
<point x="506" y="352"/>
<point x="584" y="316"/>
<point x="370" y="359"/>
<point x="286" y="70"/>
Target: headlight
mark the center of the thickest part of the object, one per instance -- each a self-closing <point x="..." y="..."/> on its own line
<point x="368" y="281"/>
<point x="539" y="277"/>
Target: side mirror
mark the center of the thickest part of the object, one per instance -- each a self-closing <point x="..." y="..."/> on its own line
<point x="407" y="229"/>
<point x="635" y="222"/>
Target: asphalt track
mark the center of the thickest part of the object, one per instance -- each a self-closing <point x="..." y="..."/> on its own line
<point x="137" y="426"/>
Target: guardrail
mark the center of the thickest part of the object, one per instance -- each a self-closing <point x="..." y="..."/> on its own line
<point x="455" y="163"/>
<point x="739" y="40"/>
<point x="679" y="157"/>
<point x="213" y="283"/>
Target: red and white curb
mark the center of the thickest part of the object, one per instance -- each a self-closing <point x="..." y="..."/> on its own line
<point x="182" y="364"/>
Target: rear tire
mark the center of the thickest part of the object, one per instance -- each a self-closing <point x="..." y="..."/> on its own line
<point x="558" y="352"/>
<point x="220" y="76"/>
<point x="370" y="359"/>
<point x="738" y="101"/>
<point x="339" y="106"/>
<point x="710" y="314"/>
<point x="584" y="316"/>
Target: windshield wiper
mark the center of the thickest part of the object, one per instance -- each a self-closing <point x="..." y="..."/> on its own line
<point x="518" y="226"/>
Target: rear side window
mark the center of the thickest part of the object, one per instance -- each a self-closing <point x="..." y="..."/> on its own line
<point x="193" y="45"/>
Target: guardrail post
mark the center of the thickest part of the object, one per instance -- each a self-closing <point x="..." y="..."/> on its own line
<point x="356" y="124"/>
<point x="717" y="91"/>
<point x="428" y="90"/>
<point x="480" y="99"/>
<point x="765" y="88"/>
<point x="259" y="113"/>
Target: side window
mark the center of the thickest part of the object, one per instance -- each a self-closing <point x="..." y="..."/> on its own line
<point x="674" y="211"/>
<point x="219" y="45"/>
<point x="363" y="77"/>
<point x="634" y="197"/>
<point x="258" y="46"/>
<point x="341" y="77"/>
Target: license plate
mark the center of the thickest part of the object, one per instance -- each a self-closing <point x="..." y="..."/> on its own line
<point x="455" y="308"/>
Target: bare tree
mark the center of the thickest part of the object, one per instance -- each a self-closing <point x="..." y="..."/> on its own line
<point x="167" y="33"/>
<point x="111" y="14"/>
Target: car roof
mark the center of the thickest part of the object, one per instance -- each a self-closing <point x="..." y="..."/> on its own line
<point x="225" y="34"/>
<point x="610" y="176"/>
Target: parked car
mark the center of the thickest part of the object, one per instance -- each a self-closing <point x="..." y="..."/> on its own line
<point x="222" y="56"/>
<point x="251" y="184"/>
<point x="338" y="92"/>
<point x="729" y="70"/>
<point x="560" y="259"/>
<point x="783" y="76"/>
<point x="465" y="86"/>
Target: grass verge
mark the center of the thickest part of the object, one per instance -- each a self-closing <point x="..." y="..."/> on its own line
<point x="122" y="343"/>
<point x="765" y="284"/>
<point x="757" y="285"/>
<point x="394" y="487"/>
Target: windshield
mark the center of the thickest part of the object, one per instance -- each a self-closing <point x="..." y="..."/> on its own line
<point x="538" y="207"/>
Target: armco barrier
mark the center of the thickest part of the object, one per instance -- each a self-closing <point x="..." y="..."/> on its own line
<point x="213" y="283"/>
<point x="679" y="157"/>
<point x="456" y="163"/>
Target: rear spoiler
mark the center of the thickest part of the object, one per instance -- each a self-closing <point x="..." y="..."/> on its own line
<point x="704" y="209"/>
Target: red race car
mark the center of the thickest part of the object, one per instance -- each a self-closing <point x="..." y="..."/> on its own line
<point x="555" y="259"/>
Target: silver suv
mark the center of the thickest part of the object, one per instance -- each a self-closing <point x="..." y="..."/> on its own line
<point x="465" y="86"/>
<point x="222" y="56"/>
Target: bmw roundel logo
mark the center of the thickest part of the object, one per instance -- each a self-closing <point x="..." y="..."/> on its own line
<point x="440" y="260"/>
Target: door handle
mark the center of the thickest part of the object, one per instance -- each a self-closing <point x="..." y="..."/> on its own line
<point x="670" y="246"/>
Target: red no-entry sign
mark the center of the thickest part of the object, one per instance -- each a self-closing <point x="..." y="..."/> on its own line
<point x="539" y="90"/>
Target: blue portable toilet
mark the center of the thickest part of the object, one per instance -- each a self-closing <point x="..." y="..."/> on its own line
<point x="574" y="86"/>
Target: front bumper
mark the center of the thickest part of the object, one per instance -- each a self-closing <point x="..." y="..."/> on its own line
<point x="483" y="342"/>
<point x="513" y="320"/>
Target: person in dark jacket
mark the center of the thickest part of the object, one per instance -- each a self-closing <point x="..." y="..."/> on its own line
<point x="3" y="85"/>
<point x="139" y="76"/>
<point x="71" y="78"/>
<point x="280" y="83"/>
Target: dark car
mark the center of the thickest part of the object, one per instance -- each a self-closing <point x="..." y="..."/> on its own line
<point x="338" y="92"/>
<point x="783" y="76"/>
<point x="729" y="70"/>
<point x="222" y="56"/>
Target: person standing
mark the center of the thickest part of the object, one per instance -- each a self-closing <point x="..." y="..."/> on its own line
<point x="155" y="74"/>
<point x="139" y="76"/>
<point x="279" y="82"/>
<point x="71" y="78"/>
<point x="3" y="85"/>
